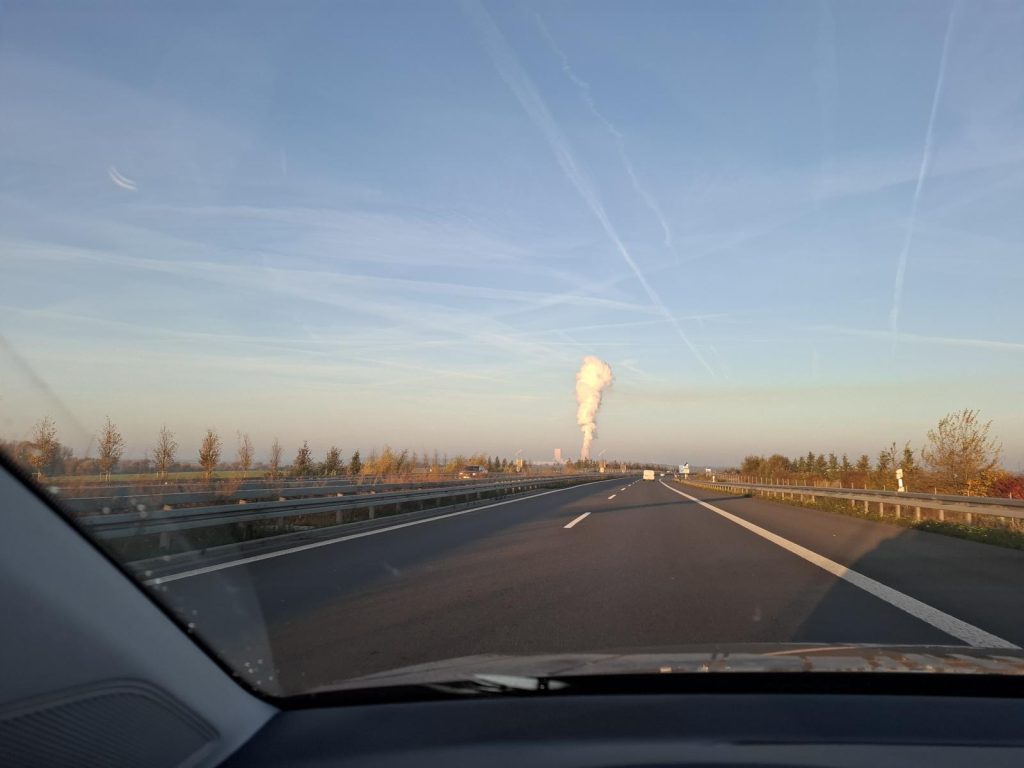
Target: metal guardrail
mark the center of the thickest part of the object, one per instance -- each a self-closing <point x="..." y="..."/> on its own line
<point x="145" y="522"/>
<point x="911" y="503"/>
<point x="85" y="505"/>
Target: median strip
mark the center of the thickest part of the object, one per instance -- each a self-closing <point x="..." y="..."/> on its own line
<point x="961" y="630"/>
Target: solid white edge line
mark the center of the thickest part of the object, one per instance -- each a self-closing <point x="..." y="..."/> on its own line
<point x="961" y="630"/>
<point x="570" y="525"/>
<point x="314" y="545"/>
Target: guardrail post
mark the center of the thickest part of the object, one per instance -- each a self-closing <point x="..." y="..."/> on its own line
<point x="942" y="514"/>
<point x="866" y="507"/>
<point x="917" y="513"/>
<point x="967" y="516"/>
<point x="897" y="511"/>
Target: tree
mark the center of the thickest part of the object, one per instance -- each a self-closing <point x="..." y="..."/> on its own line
<point x="209" y="452"/>
<point x="163" y="453"/>
<point x="845" y="464"/>
<point x="820" y="465"/>
<point x="863" y="464"/>
<point x="388" y="463"/>
<point x="886" y="460"/>
<point x="777" y="465"/>
<point x="303" y="464"/>
<point x="355" y="464"/>
<point x="751" y="465"/>
<point x="275" y="458"/>
<point x="908" y="464"/>
<point x="245" y="451"/>
<point x="65" y="460"/>
<point x="111" y="446"/>
<point x="401" y="463"/>
<point x="45" y="446"/>
<point x="885" y="465"/>
<point x="833" y="465"/>
<point x="331" y="464"/>
<point x="961" y="454"/>
<point x="371" y="463"/>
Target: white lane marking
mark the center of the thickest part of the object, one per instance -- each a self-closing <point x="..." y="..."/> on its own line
<point x="612" y="496"/>
<point x="961" y="630"/>
<point x="622" y="489"/>
<point x="570" y="525"/>
<point x="315" y="544"/>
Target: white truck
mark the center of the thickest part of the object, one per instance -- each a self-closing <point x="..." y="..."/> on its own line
<point x="648" y="474"/>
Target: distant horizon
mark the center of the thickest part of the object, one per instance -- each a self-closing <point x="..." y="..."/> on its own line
<point x="188" y="452"/>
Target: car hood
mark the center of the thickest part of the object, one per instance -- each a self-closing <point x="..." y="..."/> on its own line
<point x="534" y="672"/>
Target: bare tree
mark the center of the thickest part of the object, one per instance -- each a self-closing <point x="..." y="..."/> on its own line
<point x="245" y="451"/>
<point x="209" y="452"/>
<point x="111" y="447"/>
<point x="275" y="458"/>
<point x="961" y="454"/>
<point x="44" y="445"/>
<point x="163" y="453"/>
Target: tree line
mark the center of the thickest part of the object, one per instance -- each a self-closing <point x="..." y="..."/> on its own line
<point x="46" y="456"/>
<point x="958" y="457"/>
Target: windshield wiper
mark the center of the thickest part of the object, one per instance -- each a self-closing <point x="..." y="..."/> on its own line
<point x="491" y="684"/>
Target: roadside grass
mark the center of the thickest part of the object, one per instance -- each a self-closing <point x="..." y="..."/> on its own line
<point x="1010" y="536"/>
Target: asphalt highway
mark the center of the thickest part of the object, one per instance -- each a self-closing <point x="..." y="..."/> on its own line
<point x="621" y="566"/>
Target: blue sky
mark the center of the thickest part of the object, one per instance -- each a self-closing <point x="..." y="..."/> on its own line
<point x="786" y="226"/>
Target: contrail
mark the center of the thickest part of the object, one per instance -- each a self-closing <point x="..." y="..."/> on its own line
<point x="620" y="141"/>
<point x="926" y="157"/>
<point x="516" y="78"/>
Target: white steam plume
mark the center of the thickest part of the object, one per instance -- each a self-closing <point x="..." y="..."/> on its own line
<point x="591" y="379"/>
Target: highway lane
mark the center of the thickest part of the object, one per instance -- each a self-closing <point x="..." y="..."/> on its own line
<point x="975" y="582"/>
<point x="603" y="567"/>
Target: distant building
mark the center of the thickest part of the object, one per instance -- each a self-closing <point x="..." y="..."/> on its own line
<point x="558" y="455"/>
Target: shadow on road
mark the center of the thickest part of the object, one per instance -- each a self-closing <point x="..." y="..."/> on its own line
<point x="970" y="581"/>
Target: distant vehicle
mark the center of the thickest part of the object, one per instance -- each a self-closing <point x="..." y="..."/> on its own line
<point x="648" y="474"/>
<point x="472" y="470"/>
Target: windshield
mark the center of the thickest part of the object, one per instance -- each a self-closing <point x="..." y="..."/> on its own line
<point x="378" y="339"/>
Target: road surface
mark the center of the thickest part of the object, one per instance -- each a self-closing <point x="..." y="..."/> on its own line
<point x="611" y="566"/>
